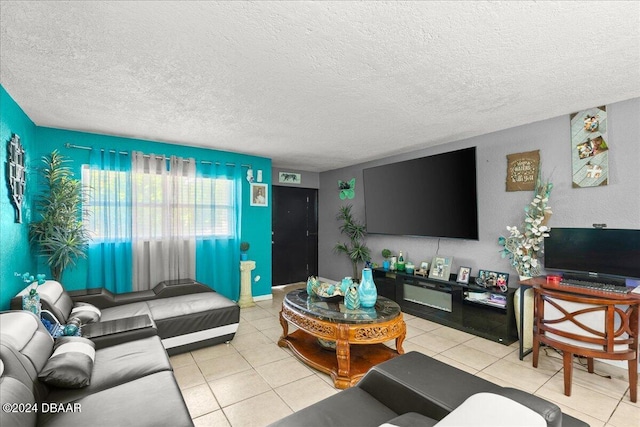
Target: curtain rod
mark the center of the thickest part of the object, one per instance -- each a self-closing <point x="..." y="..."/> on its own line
<point x="206" y="162"/>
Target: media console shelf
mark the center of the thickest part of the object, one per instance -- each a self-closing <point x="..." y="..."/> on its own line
<point x="487" y="313"/>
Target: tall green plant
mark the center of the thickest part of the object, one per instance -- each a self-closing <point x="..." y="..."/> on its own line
<point x="59" y="235"/>
<point x="355" y="248"/>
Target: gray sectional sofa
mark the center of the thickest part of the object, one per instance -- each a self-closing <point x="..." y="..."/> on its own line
<point x="187" y="314"/>
<point x="68" y="383"/>
<point x="414" y="390"/>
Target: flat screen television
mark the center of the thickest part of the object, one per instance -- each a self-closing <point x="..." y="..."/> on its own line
<point x="430" y="196"/>
<point x="593" y="252"/>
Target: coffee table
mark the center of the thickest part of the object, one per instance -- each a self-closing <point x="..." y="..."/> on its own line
<point x="358" y="334"/>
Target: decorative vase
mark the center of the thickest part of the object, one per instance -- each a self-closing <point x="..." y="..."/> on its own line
<point x="31" y="302"/>
<point x="244" y="256"/>
<point x="345" y="285"/>
<point x="312" y="284"/>
<point x="386" y="264"/>
<point x="351" y="298"/>
<point x="367" y="290"/>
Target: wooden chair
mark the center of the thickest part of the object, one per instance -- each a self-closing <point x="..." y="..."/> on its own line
<point x="589" y="326"/>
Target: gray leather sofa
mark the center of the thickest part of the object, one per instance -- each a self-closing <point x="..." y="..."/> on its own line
<point x="187" y="314"/>
<point x="65" y="383"/>
<point x="416" y="390"/>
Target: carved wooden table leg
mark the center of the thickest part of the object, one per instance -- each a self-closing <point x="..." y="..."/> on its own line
<point x="343" y="353"/>
<point x="400" y="340"/>
<point x="285" y="330"/>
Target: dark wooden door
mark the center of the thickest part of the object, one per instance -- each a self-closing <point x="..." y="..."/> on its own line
<point x="295" y="234"/>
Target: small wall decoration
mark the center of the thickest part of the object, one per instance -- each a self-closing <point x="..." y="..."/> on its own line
<point x="259" y="195"/>
<point x="463" y="275"/>
<point x="441" y="268"/>
<point x="589" y="147"/>
<point x="347" y="189"/>
<point x="522" y="170"/>
<point x="16" y="178"/>
<point x="289" y="178"/>
<point x="493" y="279"/>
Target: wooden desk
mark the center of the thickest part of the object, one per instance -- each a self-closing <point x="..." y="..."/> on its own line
<point x="349" y="329"/>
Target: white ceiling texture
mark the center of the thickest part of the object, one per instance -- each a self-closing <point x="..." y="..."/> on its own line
<point x="314" y="85"/>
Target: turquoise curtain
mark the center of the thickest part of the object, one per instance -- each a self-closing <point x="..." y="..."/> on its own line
<point x="109" y="253"/>
<point x="218" y="253"/>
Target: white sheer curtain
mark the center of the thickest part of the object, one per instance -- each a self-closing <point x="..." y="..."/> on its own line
<point x="163" y="229"/>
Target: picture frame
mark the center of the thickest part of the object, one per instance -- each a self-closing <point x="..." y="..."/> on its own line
<point x="423" y="270"/>
<point x="463" y="275"/>
<point x="441" y="268"/>
<point x="289" y="177"/>
<point x="493" y="279"/>
<point x="259" y="195"/>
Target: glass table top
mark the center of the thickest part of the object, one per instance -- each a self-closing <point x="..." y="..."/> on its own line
<point x="335" y="311"/>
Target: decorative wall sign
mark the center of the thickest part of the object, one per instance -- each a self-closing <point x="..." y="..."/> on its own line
<point x="16" y="179"/>
<point x="522" y="170"/>
<point x="347" y="189"/>
<point x="289" y="178"/>
<point x="589" y="148"/>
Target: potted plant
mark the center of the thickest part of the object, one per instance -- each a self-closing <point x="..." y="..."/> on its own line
<point x="355" y="248"/>
<point x="244" y="247"/>
<point x="386" y="254"/>
<point x="59" y="235"/>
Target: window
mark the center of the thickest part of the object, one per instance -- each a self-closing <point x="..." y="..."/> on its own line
<point x="205" y="204"/>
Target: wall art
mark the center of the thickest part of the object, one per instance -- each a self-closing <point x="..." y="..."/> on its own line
<point x="16" y="178"/>
<point x="289" y="178"/>
<point x="347" y="189"/>
<point x="259" y="196"/>
<point x="589" y="148"/>
<point x="522" y="170"/>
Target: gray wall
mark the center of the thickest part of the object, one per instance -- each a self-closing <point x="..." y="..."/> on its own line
<point x="617" y="204"/>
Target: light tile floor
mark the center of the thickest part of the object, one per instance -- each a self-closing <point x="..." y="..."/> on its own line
<point x="253" y="382"/>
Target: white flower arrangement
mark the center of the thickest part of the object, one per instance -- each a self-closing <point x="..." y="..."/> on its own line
<point x="524" y="249"/>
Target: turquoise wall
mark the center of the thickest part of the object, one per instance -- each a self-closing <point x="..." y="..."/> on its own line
<point x="256" y="221"/>
<point x="15" y="255"/>
<point x="41" y="141"/>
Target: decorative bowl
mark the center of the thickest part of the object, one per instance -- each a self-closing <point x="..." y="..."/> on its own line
<point x="328" y="292"/>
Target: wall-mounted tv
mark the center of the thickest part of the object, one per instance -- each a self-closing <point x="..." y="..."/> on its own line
<point x="605" y="252"/>
<point x="430" y="196"/>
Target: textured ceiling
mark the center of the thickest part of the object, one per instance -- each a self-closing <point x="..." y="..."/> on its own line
<point x="314" y="85"/>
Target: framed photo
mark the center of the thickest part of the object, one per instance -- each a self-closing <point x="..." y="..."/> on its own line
<point x="423" y="270"/>
<point x="441" y="268"/>
<point x="289" y="178"/>
<point x="463" y="275"/>
<point x="493" y="279"/>
<point x="259" y="195"/>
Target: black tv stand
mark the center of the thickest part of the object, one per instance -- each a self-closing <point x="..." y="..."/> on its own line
<point x="487" y="313"/>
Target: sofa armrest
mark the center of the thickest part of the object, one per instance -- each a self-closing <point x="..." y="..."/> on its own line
<point x="102" y="298"/>
<point x="118" y="331"/>
<point x="492" y="410"/>
<point x="415" y="382"/>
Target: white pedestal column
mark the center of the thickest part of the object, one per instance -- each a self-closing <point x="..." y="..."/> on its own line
<point x="246" y="298"/>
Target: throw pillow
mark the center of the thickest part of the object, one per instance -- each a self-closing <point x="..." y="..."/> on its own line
<point x="71" y="364"/>
<point x="87" y="313"/>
